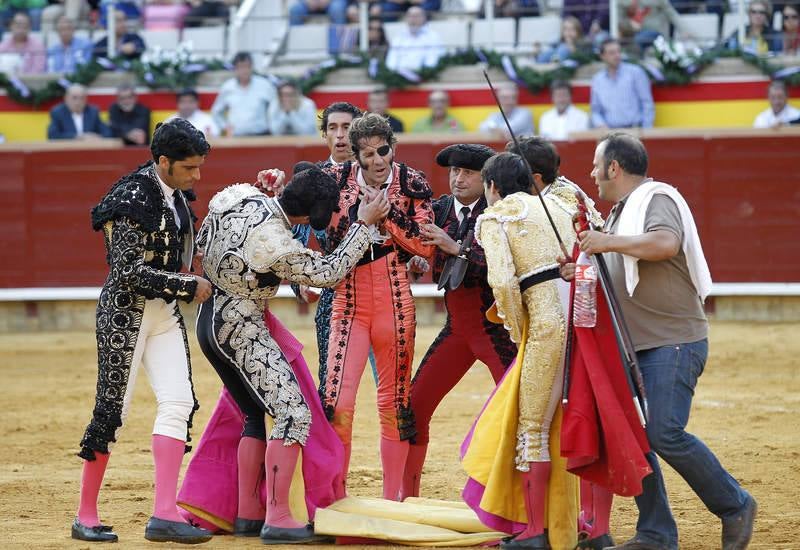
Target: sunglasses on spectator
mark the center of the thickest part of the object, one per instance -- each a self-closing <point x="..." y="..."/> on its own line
<point x="758" y="12"/>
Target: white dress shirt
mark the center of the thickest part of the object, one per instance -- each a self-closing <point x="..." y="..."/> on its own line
<point x="557" y="126"/>
<point x="768" y="119"/>
<point x="169" y="196"/>
<point x="411" y="52"/>
<point x="244" y="108"/>
<point x="458" y="205"/>
<point x="77" y="119"/>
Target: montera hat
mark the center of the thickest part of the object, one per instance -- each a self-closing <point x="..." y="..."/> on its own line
<point x="465" y="155"/>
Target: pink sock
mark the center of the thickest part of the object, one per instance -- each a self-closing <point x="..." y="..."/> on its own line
<point x="91" y="481"/>
<point x="535" y="487"/>
<point x="586" y="518"/>
<point x="413" y="471"/>
<point x="167" y="457"/>
<point x="280" y="462"/>
<point x="393" y="460"/>
<point x="251" y="472"/>
<point x="603" y="498"/>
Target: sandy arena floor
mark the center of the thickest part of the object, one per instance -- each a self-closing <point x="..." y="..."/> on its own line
<point x="746" y="409"/>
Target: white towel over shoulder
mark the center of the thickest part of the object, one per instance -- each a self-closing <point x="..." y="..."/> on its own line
<point x="631" y="222"/>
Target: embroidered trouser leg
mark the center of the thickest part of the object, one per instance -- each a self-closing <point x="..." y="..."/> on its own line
<point x="161" y="350"/>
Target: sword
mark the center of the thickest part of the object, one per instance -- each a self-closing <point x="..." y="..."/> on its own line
<point x="455" y="267"/>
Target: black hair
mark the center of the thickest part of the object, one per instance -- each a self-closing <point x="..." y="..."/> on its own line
<point x="338" y="107"/>
<point x="560" y="85"/>
<point x="188" y="91"/>
<point x="627" y="150"/>
<point x="509" y="173"/>
<point x="177" y="139"/>
<point x="313" y="193"/>
<point x="541" y="156"/>
<point x="242" y="56"/>
<point x="605" y="43"/>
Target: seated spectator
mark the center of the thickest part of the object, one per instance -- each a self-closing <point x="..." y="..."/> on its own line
<point x="30" y="49"/>
<point x="593" y="16"/>
<point x="790" y="37"/>
<point x="621" y="94"/>
<point x="74" y="119"/>
<point x="301" y="9"/>
<point x="131" y="9"/>
<point x="779" y="112"/>
<point x="642" y="21"/>
<point x="293" y="114"/>
<point x="759" y="38"/>
<point x="129" y="119"/>
<point x="70" y="51"/>
<point x="513" y="8"/>
<point x="377" y="44"/>
<point x="439" y="120"/>
<point x="520" y="118"/>
<point x="571" y="41"/>
<point x="392" y="10"/>
<point x="564" y="118"/>
<point x="32" y="8"/>
<point x="164" y="14"/>
<point x="416" y="46"/>
<point x="241" y="108"/>
<point x="129" y="44"/>
<point x="76" y="10"/>
<point x="200" y="10"/>
<point x="378" y="102"/>
<point x="189" y="108"/>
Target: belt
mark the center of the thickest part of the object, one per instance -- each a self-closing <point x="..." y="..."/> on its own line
<point x="536" y="278"/>
<point x="377" y="252"/>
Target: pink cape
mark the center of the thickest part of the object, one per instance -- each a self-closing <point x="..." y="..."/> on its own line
<point x="210" y="482"/>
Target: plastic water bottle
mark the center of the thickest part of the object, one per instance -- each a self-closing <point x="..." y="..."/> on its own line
<point x="584" y="309"/>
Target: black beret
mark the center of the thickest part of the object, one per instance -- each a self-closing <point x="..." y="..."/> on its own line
<point x="465" y="155"/>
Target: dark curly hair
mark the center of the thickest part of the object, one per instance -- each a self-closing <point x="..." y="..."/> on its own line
<point x="338" y="107"/>
<point x="370" y="125"/>
<point x="312" y="193"/>
<point x="177" y="139"/>
<point x="509" y="173"/>
<point x="541" y="155"/>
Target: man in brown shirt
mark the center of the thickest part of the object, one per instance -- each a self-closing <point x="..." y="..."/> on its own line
<point x="668" y="328"/>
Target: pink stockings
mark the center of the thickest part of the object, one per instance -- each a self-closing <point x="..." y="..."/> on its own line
<point x="250" y="461"/>
<point x="280" y="463"/>
<point x="393" y="460"/>
<point x="167" y="458"/>
<point x="413" y="471"/>
<point x="91" y="480"/>
<point x="595" y="509"/>
<point x="534" y="484"/>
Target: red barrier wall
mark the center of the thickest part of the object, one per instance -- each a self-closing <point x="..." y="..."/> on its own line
<point x="744" y="191"/>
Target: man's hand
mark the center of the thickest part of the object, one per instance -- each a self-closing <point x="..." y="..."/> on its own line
<point x="306" y="295"/>
<point x="197" y="262"/>
<point x="566" y="268"/>
<point x="417" y="265"/>
<point x="137" y="136"/>
<point x="595" y="242"/>
<point x="271" y="182"/>
<point x="373" y="211"/>
<point x="203" y="291"/>
<point x="434" y="235"/>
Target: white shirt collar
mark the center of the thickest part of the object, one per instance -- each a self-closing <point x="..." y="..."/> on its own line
<point x="169" y="192"/>
<point x="459" y="205"/>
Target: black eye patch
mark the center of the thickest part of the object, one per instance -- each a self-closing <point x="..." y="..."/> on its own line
<point x="383" y="150"/>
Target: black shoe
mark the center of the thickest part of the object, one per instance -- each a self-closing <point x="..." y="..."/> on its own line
<point x="737" y="530"/>
<point x="100" y="533"/>
<point x="635" y="544"/>
<point x="596" y="543"/>
<point x="247" y="527"/>
<point x="271" y="534"/>
<point x="163" y="530"/>
<point x="539" y="542"/>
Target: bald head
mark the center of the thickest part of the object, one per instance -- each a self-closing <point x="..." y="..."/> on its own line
<point x="75" y="98"/>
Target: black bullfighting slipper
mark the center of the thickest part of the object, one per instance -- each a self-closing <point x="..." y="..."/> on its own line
<point x="247" y="527"/>
<point x="271" y="534"/>
<point x="737" y="530"/>
<point x="539" y="542"/>
<point x="163" y="530"/>
<point x="596" y="543"/>
<point x="100" y="533"/>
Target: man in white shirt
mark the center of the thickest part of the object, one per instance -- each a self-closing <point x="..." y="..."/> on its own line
<point x="293" y="114"/>
<point x="564" y="117"/>
<point x="417" y="46"/>
<point x="779" y="112"/>
<point x="241" y="106"/>
<point x="520" y="118"/>
<point x="188" y="103"/>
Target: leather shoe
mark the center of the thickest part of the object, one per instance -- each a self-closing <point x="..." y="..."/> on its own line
<point x="100" y="533"/>
<point x="247" y="527"/>
<point x="271" y="534"/>
<point x="164" y="530"/>
<point x="634" y="544"/>
<point x="539" y="542"/>
<point x="597" y="543"/>
<point x="737" y="530"/>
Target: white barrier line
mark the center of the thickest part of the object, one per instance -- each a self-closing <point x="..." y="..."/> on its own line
<point x="419" y="290"/>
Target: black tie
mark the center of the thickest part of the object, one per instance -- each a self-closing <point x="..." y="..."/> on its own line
<point x="462" y="227"/>
<point x="183" y="213"/>
<point x="185" y="229"/>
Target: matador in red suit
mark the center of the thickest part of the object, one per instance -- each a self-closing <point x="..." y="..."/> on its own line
<point x="373" y="305"/>
<point x="459" y="266"/>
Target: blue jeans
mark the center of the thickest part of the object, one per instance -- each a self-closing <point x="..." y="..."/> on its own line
<point x="670" y="375"/>
<point x="337" y="11"/>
